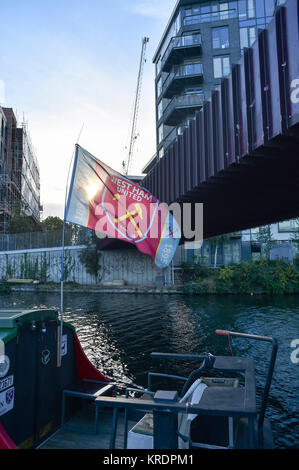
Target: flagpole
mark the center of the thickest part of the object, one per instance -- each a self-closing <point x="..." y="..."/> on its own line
<point x="66" y="203"/>
<point x="61" y="292"/>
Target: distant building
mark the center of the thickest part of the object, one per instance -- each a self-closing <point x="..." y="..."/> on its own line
<point x="3" y="169"/>
<point x="243" y="246"/>
<point x="201" y="41"/>
<point x="19" y="171"/>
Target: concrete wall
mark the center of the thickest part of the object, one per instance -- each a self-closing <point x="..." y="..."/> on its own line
<point x="129" y="265"/>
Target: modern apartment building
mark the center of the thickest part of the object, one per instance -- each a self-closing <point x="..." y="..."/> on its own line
<point x="19" y="171"/>
<point x="200" y="42"/>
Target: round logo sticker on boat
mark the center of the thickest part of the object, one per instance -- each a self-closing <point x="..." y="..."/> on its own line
<point x="4" y="365"/>
<point x="46" y="356"/>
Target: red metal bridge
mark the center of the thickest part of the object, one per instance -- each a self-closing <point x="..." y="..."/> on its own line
<point x="240" y="155"/>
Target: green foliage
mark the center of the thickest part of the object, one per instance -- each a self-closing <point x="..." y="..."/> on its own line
<point x="295" y="237"/>
<point x="263" y="276"/>
<point x="52" y="223"/>
<point x="4" y="289"/>
<point x="192" y="271"/>
<point x="43" y="268"/>
<point x="29" y="268"/>
<point x="194" y="288"/>
<point x="69" y="264"/>
<point x="22" y="224"/>
<point x="271" y="277"/>
<point x="90" y="258"/>
<point x="264" y="237"/>
<point x="9" y="267"/>
<point x="226" y="274"/>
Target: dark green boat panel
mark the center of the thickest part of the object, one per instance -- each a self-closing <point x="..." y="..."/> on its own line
<point x="38" y="379"/>
<point x="12" y="318"/>
<point x="7" y="334"/>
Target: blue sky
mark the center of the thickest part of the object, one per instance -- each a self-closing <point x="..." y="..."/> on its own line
<point x="65" y="63"/>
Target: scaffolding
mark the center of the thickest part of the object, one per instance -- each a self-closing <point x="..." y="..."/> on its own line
<point x="19" y="174"/>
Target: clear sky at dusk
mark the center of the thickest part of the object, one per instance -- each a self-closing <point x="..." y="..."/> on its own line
<point x="68" y="62"/>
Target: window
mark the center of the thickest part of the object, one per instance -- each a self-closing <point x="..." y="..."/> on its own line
<point x="252" y="35"/>
<point x="269" y="4"/>
<point x="190" y="68"/>
<point x="260" y="9"/>
<point x="242" y="10"/>
<point x="205" y="13"/>
<point x="159" y="87"/>
<point x="288" y="226"/>
<point x="190" y="38"/>
<point x="251" y="9"/>
<point x="223" y="11"/>
<point x="247" y="9"/>
<point x="158" y="66"/>
<point x="220" y="38"/>
<point x="233" y="9"/>
<point x="221" y="66"/>
<point x="215" y="12"/>
<point x="193" y="91"/>
<point x="160" y="134"/>
<point x="160" y="110"/>
<point x="247" y="36"/>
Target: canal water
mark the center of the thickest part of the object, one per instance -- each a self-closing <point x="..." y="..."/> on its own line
<point x="118" y="333"/>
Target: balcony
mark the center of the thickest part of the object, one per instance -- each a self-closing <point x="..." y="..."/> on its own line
<point x="180" y="48"/>
<point x="181" y="77"/>
<point x="223" y="14"/>
<point x="180" y="106"/>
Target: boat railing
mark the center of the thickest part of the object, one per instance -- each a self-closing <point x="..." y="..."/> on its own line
<point x="167" y="413"/>
<point x="231" y="402"/>
<point x="271" y="366"/>
<point x="205" y="359"/>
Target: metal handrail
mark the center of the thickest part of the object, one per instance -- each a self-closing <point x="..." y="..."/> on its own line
<point x="269" y="375"/>
<point x="207" y="361"/>
<point x="194" y="99"/>
<point x="211" y="16"/>
<point x="180" y="41"/>
<point x="166" y="376"/>
<point x="179" y="71"/>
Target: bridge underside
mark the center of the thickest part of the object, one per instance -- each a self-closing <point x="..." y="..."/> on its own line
<point x="260" y="190"/>
<point x="240" y="155"/>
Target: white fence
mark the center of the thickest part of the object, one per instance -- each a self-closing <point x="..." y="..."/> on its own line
<point x="130" y="265"/>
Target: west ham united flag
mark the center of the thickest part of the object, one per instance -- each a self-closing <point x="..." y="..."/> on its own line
<point x="109" y="203"/>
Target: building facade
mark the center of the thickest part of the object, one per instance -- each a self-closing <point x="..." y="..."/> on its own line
<point x="245" y="246"/>
<point x="3" y="170"/>
<point x="201" y="41"/>
<point x="19" y="171"/>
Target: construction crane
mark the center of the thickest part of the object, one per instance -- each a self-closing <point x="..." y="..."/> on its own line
<point x="127" y="164"/>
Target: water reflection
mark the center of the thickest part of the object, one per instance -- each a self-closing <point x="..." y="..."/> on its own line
<point x="118" y="334"/>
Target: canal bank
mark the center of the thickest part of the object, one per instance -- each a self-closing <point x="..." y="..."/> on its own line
<point x="263" y="277"/>
<point x="84" y="289"/>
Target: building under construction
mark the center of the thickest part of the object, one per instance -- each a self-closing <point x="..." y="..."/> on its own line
<point x="19" y="171"/>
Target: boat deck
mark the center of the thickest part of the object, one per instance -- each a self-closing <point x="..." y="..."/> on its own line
<point x="83" y="420"/>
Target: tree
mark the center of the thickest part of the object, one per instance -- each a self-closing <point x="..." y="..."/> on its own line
<point x="264" y="237"/>
<point x="52" y="223"/>
<point x="295" y="236"/>
<point x="90" y="257"/>
<point x="23" y="223"/>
